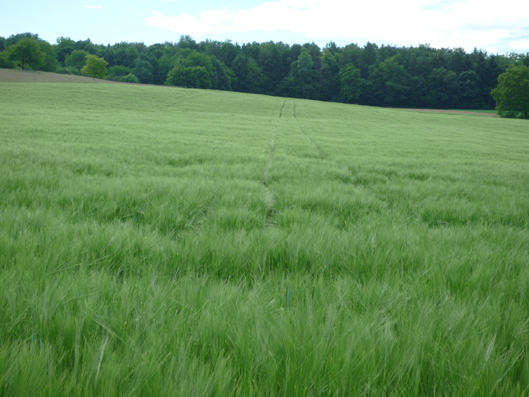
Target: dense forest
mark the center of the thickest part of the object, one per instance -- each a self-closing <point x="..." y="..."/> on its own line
<point x="422" y="77"/>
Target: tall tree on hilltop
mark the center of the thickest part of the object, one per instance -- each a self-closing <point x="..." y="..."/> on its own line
<point x="242" y="73"/>
<point x="86" y="45"/>
<point x="304" y="76"/>
<point x="368" y="58"/>
<point x="26" y="53"/>
<point x="271" y="63"/>
<point x="50" y="62"/>
<point x="187" y="41"/>
<point x="350" y="54"/>
<point x="457" y="60"/>
<point x="64" y="47"/>
<point x="330" y="79"/>
<point x="222" y="77"/>
<point x="15" y="38"/>
<point x="350" y="84"/>
<point x="390" y="81"/>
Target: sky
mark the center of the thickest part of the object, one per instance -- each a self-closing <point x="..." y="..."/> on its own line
<point x="497" y="27"/>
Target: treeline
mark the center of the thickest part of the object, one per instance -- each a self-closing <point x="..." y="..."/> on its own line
<point x="422" y="76"/>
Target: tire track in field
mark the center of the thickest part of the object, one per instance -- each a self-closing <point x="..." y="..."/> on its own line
<point x="351" y="178"/>
<point x="269" y="198"/>
<point x="188" y="98"/>
<point x="316" y="148"/>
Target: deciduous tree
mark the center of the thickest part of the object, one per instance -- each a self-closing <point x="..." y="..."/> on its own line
<point x="350" y="84"/>
<point x="95" y="67"/>
<point x="26" y="53"/>
<point x="76" y="59"/>
<point x="390" y="81"/>
<point x="512" y="93"/>
<point x="330" y="79"/>
<point x="143" y="70"/>
<point x="50" y="62"/>
<point x="189" y="77"/>
<point x="64" y="47"/>
<point x="130" y="78"/>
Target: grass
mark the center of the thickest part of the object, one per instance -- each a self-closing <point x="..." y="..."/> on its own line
<point x="158" y="241"/>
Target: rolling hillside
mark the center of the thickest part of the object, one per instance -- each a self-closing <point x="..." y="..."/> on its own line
<point x="164" y="241"/>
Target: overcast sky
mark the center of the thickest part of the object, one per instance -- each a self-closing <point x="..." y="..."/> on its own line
<point x="498" y="27"/>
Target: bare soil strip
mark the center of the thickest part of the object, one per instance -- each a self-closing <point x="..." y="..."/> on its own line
<point x="30" y="76"/>
<point x="451" y="111"/>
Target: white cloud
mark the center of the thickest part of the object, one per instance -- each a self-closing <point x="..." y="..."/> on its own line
<point x="97" y="7"/>
<point x="460" y="23"/>
<point x="520" y="45"/>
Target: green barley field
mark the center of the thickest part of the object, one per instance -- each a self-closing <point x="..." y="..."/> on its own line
<point x="160" y="241"/>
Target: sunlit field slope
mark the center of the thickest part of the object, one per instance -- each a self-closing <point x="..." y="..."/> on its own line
<point x="159" y="241"/>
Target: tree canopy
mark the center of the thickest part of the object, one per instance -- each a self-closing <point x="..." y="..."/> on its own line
<point x="76" y="59"/>
<point x="512" y="93"/>
<point x="26" y="53"/>
<point x="189" y="77"/>
<point x="95" y="67"/>
<point x="421" y="76"/>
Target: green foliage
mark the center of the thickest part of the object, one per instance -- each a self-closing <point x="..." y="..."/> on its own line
<point x="443" y="89"/>
<point x="143" y="70"/>
<point x="512" y="93"/>
<point x="222" y="75"/>
<point x="249" y="76"/>
<point x="64" y="47"/>
<point x="86" y="45"/>
<point x="165" y="64"/>
<point x="26" y="53"/>
<point x="390" y="81"/>
<point x="125" y="54"/>
<point x="76" y="59"/>
<point x="15" y="38"/>
<point x="50" y="62"/>
<point x="74" y="70"/>
<point x="368" y="58"/>
<point x="189" y="77"/>
<point x="5" y="61"/>
<point x="330" y="77"/>
<point x="95" y="67"/>
<point x="63" y="70"/>
<point x="117" y="71"/>
<point x="416" y="77"/>
<point x="242" y="73"/>
<point x="303" y="79"/>
<point x="187" y="42"/>
<point x="271" y="64"/>
<point x="130" y="78"/>
<point x="227" y="52"/>
<point x="469" y="91"/>
<point x="350" y="84"/>
<point x="350" y="54"/>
